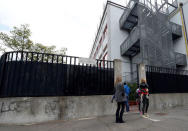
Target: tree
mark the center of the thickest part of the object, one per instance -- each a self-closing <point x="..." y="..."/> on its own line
<point x="19" y="40"/>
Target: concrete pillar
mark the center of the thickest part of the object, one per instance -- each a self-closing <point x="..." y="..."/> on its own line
<point x="141" y="72"/>
<point x="117" y="68"/>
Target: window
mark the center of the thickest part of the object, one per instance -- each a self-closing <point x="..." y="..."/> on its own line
<point x="100" y="42"/>
<point x="105" y="48"/>
<point x="100" y="57"/>
<point x="105" y="32"/>
<point x="104" y="58"/>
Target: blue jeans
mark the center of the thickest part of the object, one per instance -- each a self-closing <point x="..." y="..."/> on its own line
<point x="127" y="104"/>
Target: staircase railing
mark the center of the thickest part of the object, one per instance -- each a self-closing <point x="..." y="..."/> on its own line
<point x="152" y="6"/>
<point x="130" y="40"/>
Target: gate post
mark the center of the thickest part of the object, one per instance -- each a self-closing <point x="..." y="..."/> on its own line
<point x="117" y="68"/>
<point x="141" y="72"/>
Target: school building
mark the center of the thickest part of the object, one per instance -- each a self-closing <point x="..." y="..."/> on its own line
<point x="143" y="31"/>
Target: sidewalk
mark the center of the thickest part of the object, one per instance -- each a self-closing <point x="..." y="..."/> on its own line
<point x="172" y="120"/>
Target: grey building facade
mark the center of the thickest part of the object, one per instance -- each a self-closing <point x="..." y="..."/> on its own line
<point x="151" y="37"/>
<point x="148" y="35"/>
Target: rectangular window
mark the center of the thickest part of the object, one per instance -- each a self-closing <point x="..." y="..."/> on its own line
<point x="105" y="48"/>
<point x="100" y="57"/>
<point x="104" y="58"/>
<point x="100" y="42"/>
<point x="105" y="31"/>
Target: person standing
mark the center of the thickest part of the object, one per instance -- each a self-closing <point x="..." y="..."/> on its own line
<point x="127" y="92"/>
<point x="120" y="98"/>
<point x="144" y="97"/>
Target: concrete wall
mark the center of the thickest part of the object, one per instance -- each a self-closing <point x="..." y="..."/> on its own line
<point x="39" y="109"/>
<point x="166" y="101"/>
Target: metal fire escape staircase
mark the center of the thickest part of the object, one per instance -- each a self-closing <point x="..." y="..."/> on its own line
<point x="129" y="21"/>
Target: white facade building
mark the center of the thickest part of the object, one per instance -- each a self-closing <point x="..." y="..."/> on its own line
<point x="110" y="37"/>
<point x="179" y="44"/>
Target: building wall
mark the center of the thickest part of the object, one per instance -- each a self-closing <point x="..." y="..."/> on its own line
<point x="101" y="39"/>
<point x="179" y="44"/>
<point x="113" y="39"/>
<point x="117" y="36"/>
<point x="157" y="45"/>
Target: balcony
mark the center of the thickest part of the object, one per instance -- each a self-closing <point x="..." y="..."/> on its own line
<point x="176" y="30"/>
<point x="129" y="18"/>
<point x="131" y="46"/>
<point x="180" y="59"/>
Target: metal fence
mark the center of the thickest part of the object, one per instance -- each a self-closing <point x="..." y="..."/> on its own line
<point x="39" y="74"/>
<point x="166" y="80"/>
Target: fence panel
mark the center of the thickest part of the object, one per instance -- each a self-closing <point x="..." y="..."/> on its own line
<point x="38" y="74"/>
<point x="165" y="80"/>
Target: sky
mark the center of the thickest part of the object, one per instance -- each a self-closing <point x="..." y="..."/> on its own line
<point x="63" y="23"/>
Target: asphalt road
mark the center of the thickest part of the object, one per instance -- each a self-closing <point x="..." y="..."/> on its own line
<point x="172" y="120"/>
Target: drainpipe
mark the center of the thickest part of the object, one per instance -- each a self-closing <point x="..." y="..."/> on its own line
<point x="131" y="67"/>
<point x="184" y="26"/>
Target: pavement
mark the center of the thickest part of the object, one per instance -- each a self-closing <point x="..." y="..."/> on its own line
<point x="175" y="119"/>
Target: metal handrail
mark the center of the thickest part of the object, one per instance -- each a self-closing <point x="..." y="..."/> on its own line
<point x="127" y="43"/>
<point x="25" y="56"/>
<point x="166" y="70"/>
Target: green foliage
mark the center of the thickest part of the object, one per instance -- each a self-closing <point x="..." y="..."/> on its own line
<point x="19" y="40"/>
<point x="133" y="87"/>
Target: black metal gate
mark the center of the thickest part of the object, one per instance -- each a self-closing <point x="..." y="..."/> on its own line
<point x="166" y="80"/>
<point x="38" y="74"/>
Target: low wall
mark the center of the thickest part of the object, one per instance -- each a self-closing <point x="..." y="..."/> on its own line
<point x="166" y="101"/>
<point x="22" y="110"/>
<point x="39" y="109"/>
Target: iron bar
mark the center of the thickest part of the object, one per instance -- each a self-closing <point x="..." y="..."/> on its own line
<point x="28" y="75"/>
